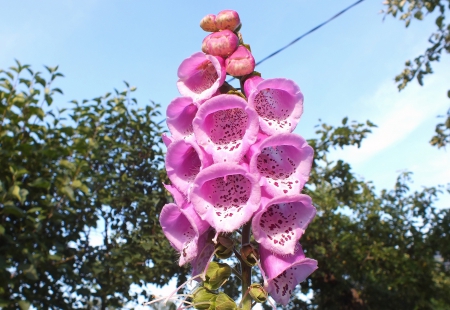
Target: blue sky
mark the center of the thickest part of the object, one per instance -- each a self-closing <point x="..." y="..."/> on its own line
<point x="344" y="69"/>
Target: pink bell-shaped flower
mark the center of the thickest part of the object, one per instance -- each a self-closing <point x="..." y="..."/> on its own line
<point x="180" y="114"/>
<point x="227" y="19"/>
<point x="225" y="195"/>
<point x="284" y="272"/>
<point x="284" y="162"/>
<point x="184" y="160"/>
<point x="222" y="43"/>
<point x="182" y="227"/>
<point x="281" y="222"/>
<point x="240" y="63"/>
<point x="279" y="104"/>
<point x="225" y="126"/>
<point x="200" y="76"/>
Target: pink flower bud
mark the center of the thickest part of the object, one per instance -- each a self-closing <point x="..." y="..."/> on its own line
<point x="208" y="23"/>
<point x="222" y="43"/>
<point x="240" y="63"/>
<point x="228" y="19"/>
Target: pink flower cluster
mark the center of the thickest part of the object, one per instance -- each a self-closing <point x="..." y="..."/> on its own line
<point x="232" y="160"/>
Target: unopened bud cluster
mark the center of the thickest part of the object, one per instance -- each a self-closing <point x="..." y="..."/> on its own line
<point x="224" y="42"/>
<point x="234" y="161"/>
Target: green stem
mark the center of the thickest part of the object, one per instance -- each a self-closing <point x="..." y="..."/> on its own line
<point x="246" y="271"/>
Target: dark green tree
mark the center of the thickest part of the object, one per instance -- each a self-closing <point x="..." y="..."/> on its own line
<point x="408" y="10"/>
<point x="61" y="174"/>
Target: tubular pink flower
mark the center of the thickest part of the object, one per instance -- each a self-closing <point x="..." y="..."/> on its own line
<point x="284" y="272"/>
<point x="226" y="196"/>
<point x="200" y="76"/>
<point x="240" y="63"/>
<point x="180" y="114"/>
<point x="279" y="104"/>
<point x="225" y="126"/>
<point x="222" y="43"/>
<point x="282" y="221"/>
<point x="227" y="19"/>
<point x="184" y="160"/>
<point x="208" y="23"/>
<point x="251" y="83"/>
<point x="181" y="228"/>
<point x="283" y="162"/>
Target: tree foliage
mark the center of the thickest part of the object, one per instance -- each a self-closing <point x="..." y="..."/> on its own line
<point x="63" y="174"/>
<point x="408" y="10"/>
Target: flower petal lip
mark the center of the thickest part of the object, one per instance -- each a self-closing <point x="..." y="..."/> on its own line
<point x="284" y="161"/>
<point x="279" y="104"/>
<point x="222" y="43"/>
<point x="240" y="63"/>
<point x="178" y="197"/>
<point x="184" y="160"/>
<point x="284" y="272"/>
<point x="180" y="114"/>
<point x="225" y="195"/>
<point x="225" y="126"/>
<point x="200" y="76"/>
<point x="281" y="222"/>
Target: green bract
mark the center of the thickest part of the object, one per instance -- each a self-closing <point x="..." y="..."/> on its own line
<point x="216" y="275"/>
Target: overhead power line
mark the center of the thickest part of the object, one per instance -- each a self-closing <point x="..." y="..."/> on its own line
<point x="305" y="34"/>
<point x="309" y="32"/>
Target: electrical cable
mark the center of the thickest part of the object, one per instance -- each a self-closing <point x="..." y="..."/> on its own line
<point x="305" y="34"/>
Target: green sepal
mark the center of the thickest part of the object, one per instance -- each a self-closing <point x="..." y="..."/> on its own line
<point x="203" y="299"/>
<point x="216" y="275"/>
<point x="224" y="302"/>
<point x="249" y="255"/>
<point x="224" y="247"/>
<point x="258" y="293"/>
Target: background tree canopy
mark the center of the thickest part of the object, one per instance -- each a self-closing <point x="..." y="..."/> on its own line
<point x="60" y="173"/>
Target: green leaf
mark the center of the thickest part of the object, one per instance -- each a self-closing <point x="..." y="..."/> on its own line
<point x="40" y="183"/>
<point x="10" y="208"/>
<point x="68" y="191"/>
<point x="67" y="164"/>
<point x="24" y="305"/>
<point x="15" y="191"/>
<point x="36" y="209"/>
<point x="2" y="230"/>
<point x="23" y="195"/>
<point x="29" y="271"/>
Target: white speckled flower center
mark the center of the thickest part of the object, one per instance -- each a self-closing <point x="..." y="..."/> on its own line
<point x="274" y="106"/>
<point x="278" y="164"/>
<point x="279" y="222"/>
<point x="227" y="127"/>
<point x="228" y="195"/>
